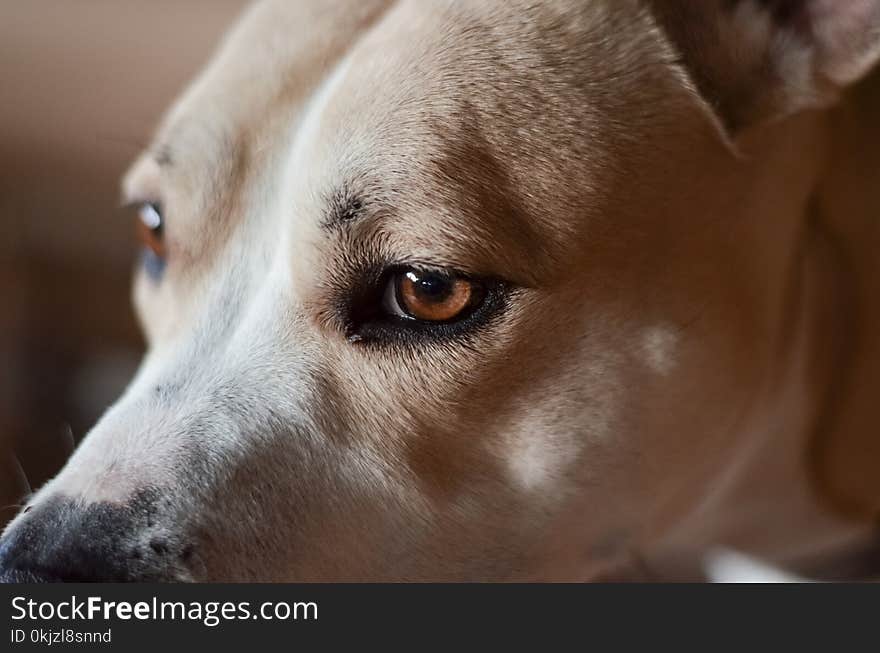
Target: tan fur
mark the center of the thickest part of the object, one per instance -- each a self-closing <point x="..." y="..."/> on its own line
<point x="651" y="387"/>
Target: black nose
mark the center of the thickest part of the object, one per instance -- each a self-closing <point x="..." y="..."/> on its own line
<point x="16" y="576"/>
<point x="65" y="541"/>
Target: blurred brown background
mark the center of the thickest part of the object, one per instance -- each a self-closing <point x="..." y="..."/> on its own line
<point x="83" y="85"/>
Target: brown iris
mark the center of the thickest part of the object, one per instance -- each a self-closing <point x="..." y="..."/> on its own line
<point x="148" y="226"/>
<point x="434" y="297"/>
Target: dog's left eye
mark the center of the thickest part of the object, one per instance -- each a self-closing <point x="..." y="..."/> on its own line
<point x="410" y="304"/>
<point x="150" y="229"/>
<point x="431" y="296"/>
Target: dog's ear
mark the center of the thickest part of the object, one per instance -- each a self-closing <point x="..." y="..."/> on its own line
<point x="757" y="60"/>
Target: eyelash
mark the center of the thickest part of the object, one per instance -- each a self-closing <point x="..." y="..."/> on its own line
<point x="366" y="324"/>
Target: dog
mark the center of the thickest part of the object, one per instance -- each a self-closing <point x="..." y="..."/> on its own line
<point x="489" y="291"/>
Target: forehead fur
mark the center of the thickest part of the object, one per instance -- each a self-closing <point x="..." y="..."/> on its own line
<point x="494" y="125"/>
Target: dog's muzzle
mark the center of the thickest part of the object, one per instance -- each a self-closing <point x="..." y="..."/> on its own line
<point x="62" y="540"/>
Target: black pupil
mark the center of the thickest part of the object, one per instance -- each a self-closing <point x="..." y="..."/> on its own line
<point x="433" y="287"/>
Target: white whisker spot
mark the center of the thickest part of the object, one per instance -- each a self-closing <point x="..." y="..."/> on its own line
<point x="536" y="461"/>
<point x="659" y="344"/>
<point x="725" y="566"/>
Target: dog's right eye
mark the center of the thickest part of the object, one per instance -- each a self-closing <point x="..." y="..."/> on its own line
<point x="416" y="303"/>
<point x="149" y="226"/>
<point x="430" y="296"/>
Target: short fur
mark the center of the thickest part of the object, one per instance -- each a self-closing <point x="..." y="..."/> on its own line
<point x="653" y="198"/>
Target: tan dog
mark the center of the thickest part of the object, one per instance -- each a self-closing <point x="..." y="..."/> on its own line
<point x="483" y="290"/>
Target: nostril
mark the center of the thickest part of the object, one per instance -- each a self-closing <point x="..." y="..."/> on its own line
<point x="159" y="547"/>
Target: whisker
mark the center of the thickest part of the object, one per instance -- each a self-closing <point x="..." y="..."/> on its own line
<point x="132" y="144"/>
<point x="21" y="478"/>
<point x="68" y="439"/>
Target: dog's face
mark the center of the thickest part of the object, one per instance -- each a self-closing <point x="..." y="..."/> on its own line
<point x="432" y="291"/>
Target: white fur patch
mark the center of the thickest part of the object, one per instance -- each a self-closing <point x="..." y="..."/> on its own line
<point x="659" y="344"/>
<point x="539" y="456"/>
<point x="310" y="126"/>
<point x="534" y="464"/>
<point x="731" y="567"/>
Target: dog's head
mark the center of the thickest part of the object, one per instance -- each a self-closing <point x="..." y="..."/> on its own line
<point x="452" y="290"/>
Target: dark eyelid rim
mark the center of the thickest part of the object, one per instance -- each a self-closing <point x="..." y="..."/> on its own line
<point x="374" y="328"/>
